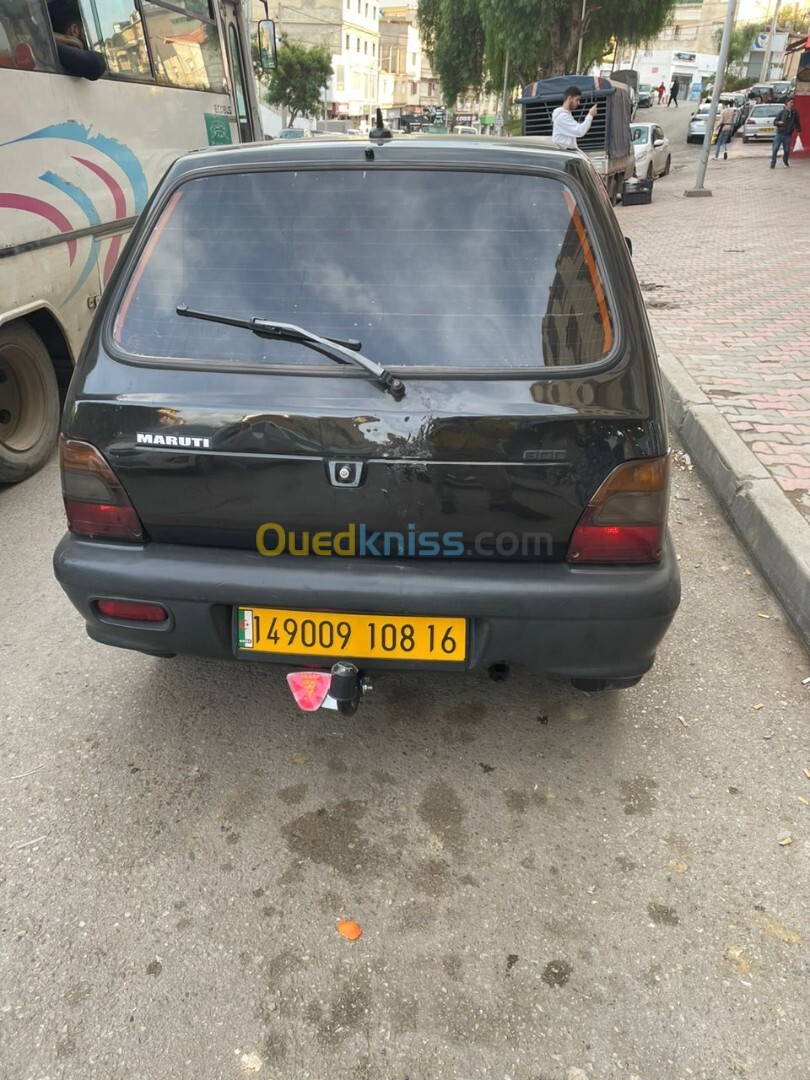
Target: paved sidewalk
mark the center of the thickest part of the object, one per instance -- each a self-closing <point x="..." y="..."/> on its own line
<point x="727" y="285"/>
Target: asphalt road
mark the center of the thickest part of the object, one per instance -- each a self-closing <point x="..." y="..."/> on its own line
<point x="546" y="881"/>
<point x="685" y="156"/>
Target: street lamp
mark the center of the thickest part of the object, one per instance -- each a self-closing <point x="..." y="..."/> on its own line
<point x="722" y="59"/>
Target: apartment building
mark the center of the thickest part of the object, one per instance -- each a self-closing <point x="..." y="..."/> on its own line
<point x="349" y="29"/>
<point x="416" y="95"/>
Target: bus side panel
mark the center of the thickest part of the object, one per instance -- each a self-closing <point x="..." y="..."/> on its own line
<point x="80" y="156"/>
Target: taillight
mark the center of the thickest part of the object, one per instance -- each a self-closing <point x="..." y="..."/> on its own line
<point x="625" y="521"/>
<point x="132" y="610"/>
<point x="96" y="505"/>
<point x="750" y="121"/>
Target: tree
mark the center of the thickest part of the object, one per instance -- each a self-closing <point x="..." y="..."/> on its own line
<point x="467" y="40"/>
<point x="742" y="38"/>
<point x="795" y="17"/>
<point x="299" y="78"/>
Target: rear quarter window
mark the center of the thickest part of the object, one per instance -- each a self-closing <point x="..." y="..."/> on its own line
<point x="427" y="268"/>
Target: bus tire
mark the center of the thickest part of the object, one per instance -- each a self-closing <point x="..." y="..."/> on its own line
<point x="29" y="403"/>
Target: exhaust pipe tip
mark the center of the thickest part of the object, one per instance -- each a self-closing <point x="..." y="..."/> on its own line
<point x="499" y="672"/>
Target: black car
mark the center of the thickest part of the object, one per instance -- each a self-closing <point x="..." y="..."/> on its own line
<point x="646" y="96"/>
<point x="351" y="405"/>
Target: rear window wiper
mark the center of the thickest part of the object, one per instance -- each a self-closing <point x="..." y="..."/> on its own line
<point x="343" y="351"/>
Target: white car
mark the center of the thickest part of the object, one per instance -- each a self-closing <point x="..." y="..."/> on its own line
<point x="760" y="122"/>
<point x="651" y="150"/>
<point x="697" y="124"/>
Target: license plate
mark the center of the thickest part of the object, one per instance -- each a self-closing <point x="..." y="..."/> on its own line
<point x="358" y="637"/>
<point x="766" y="131"/>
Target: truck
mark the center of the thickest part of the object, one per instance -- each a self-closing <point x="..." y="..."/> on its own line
<point x="607" y="143"/>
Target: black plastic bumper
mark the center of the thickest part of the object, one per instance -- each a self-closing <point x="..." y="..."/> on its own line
<point x="576" y="621"/>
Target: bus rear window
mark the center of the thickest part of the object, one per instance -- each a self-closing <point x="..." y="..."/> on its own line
<point x="426" y="268"/>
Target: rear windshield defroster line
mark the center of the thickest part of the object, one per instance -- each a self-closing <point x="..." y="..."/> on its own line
<point x="467" y="269"/>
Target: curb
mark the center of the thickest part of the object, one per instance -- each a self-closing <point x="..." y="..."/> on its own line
<point x="773" y="531"/>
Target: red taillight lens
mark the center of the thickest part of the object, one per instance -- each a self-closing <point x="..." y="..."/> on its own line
<point x="625" y="521"/>
<point x="132" y="610"/>
<point x="96" y="504"/>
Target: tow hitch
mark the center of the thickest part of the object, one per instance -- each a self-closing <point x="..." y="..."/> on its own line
<point x="340" y="689"/>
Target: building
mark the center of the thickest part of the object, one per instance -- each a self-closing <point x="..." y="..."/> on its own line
<point x="693" y="26"/>
<point x="416" y="97"/>
<point x="349" y="29"/>
<point x="684" y="50"/>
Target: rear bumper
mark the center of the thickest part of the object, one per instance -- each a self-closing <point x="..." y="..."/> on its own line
<point x="580" y="622"/>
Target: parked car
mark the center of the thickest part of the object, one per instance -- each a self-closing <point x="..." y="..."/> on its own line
<point x="646" y="96"/>
<point x="473" y="484"/>
<point x="743" y="107"/>
<point x="465" y="129"/>
<point x="295" y="133"/>
<point x="782" y="89"/>
<point x="762" y="92"/>
<point x="760" y="122"/>
<point x="651" y="149"/>
<point x="697" y="124"/>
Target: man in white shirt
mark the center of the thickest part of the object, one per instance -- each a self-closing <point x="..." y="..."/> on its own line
<point x="566" y="129"/>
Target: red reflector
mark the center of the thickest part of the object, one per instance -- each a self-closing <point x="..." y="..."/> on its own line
<point x="99" y="520"/>
<point x="133" y="610"/>
<point x="309" y="688"/>
<point x="615" y="543"/>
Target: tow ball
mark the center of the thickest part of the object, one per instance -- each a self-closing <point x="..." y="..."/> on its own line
<point x="347" y="687"/>
<point x="341" y="688"/>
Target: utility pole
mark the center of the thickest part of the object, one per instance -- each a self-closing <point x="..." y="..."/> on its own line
<point x="699" y="189"/>
<point x="505" y="101"/>
<point x="581" y="35"/>
<point x="765" y="74"/>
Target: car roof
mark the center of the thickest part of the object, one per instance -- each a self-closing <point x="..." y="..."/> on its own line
<point x="338" y="149"/>
<point x="643" y="123"/>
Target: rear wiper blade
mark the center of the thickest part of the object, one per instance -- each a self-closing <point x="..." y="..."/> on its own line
<point x="343" y="351"/>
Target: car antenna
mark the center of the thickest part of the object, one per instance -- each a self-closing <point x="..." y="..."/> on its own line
<point x="377" y="134"/>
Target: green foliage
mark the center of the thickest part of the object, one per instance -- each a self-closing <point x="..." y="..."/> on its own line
<point x="795" y="17"/>
<point x="742" y="37"/>
<point x="468" y="40"/>
<point x="299" y="78"/>
<point x="453" y="35"/>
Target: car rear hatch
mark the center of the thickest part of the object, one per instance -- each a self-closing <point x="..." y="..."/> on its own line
<point x="527" y="378"/>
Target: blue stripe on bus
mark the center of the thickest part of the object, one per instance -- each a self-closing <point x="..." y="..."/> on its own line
<point x="120" y="154"/>
<point x="85" y="204"/>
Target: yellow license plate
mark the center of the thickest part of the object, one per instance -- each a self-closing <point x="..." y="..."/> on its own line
<point x="358" y="637"/>
<point x="766" y="131"/>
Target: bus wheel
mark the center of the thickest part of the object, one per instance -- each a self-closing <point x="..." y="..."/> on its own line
<point x="29" y="403"/>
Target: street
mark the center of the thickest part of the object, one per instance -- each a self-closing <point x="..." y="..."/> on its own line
<point x="546" y="881"/>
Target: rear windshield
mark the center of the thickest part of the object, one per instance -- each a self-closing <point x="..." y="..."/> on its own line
<point x="425" y="268"/>
<point x="766" y="110"/>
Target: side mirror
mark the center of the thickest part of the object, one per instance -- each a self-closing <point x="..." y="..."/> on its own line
<point x="268" y="57"/>
<point x="629" y="243"/>
<point x="658" y="143"/>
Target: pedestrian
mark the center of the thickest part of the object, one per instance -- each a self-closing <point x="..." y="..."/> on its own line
<point x="566" y="130"/>
<point x="724" y="132"/>
<point x="786" y="123"/>
<point x="661" y="91"/>
<point x="673" y="93"/>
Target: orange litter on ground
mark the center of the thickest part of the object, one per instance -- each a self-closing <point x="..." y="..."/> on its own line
<point x="350" y="930"/>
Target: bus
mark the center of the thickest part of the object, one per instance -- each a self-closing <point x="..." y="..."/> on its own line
<point x="79" y="157"/>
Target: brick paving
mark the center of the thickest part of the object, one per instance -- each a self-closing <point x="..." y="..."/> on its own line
<point x="727" y="285"/>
